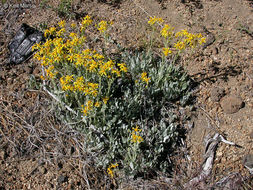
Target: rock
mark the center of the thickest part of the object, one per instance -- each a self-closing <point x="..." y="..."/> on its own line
<point x="42" y="170"/>
<point x="28" y="70"/>
<point x="231" y="104"/>
<point x="5" y="6"/>
<point x="71" y="150"/>
<point x="62" y="179"/>
<point x="217" y="94"/>
<point x="36" y="72"/>
<point x="60" y="165"/>
<point x="251" y="135"/>
<point x="3" y="155"/>
<point x="1" y="12"/>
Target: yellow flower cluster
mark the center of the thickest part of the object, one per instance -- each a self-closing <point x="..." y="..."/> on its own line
<point x="109" y="169"/>
<point x="105" y="100"/>
<point x="50" y="72"/>
<point x="67" y="51"/>
<point x="189" y="39"/>
<point x="87" y="21"/>
<point x="88" y="107"/>
<point x="62" y="23"/>
<point x="79" y="85"/>
<point x="74" y="68"/>
<point x="66" y="83"/>
<point x="167" y="31"/>
<point x="180" y="40"/>
<point x="136" y="138"/>
<point x="166" y="51"/>
<point x="90" y="104"/>
<point x="122" y="67"/>
<point x="103" y="26"/>
<point x="153" y="20"/>
<point x="144" y="78"/>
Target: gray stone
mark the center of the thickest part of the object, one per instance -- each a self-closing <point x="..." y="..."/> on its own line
<point x="248" y="162"/>
<point x="231" y="104"/>
<point x="62" y="179"/>
<point x="1" y="12"/>
<point x="251" y="135"/>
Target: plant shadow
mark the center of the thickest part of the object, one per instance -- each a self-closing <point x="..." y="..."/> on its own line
<point x="214" y="73"/>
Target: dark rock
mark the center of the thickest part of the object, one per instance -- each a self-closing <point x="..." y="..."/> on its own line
<point x="72" y="150"/>
<point x="217" y="94"/>
<point x="60" y="165"/>
<point x="21" y="45"/>
<point x="62" y="179"/>
<point x="231" y="104"/>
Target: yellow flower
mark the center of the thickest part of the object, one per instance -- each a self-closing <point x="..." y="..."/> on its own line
<point x="144" y="78"/>
<point x="103" y="26"/>
<point x="79" y="84"/>
<point x="180" y="45"/>
<point x="73" y="25"/>
<point x="166" y="51"/>
<point x="86" y="22"/>
<point x="74" y="41"/>
<point x="52" y="30"/>
<point x="62" y="23"/>
<point x="87" y="108"/>
<point x="136" y="129"/>
<point x="167" y="31"/>
<point x="153" y="20"/>
<point x="92" y="65"/>
<point x="61" y="32"/>
<point x="92" y="89"/>
<point x="46" y="33"/>
<point x="42" y="77"/>
<point x="72" y="35"/>
<point x="202" y="40"/>
<point x="97" y="104"/>
<point x="66" y="83"/>
<point x="116" y="71"/>
<point x="181" y="33"/>
<point x="105" y="100"/>
<point x="70" y="58"/>
<point x="136" y="138"/>
<point x="98" y="56"/>
<point x="123" y="67"/>
<point x="106" y="66"/>
<point x="109" y="169"/>
<point x="36" y="46"/>
<point x="50" y="72"/>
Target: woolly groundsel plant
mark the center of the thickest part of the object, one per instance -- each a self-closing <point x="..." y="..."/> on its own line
<point x="124" y="107"/>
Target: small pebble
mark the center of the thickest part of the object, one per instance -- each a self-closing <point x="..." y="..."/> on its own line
<point x="251" y="135"/>
<point x="62" y="179"/>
